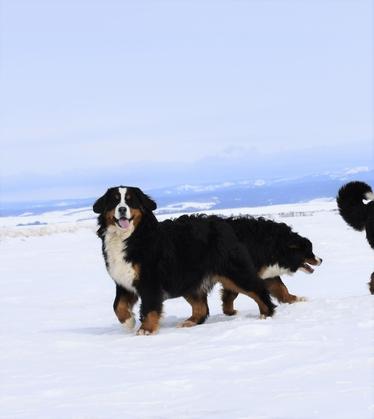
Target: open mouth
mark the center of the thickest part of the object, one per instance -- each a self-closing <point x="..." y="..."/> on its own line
<point x="123" y="222"/>
<point x="306" y="268"/>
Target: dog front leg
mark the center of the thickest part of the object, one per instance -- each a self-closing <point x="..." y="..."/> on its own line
<point x="150" y="312"/>
<point x="123" y="305"/>
<point x="278" y="290"/>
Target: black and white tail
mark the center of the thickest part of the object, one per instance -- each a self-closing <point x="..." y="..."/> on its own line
<point x="354" y="210"/>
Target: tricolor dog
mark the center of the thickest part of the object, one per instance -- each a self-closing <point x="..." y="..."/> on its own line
<point x="357" y="213"/>
<point x="153" y="261"/>
<point x="275" y="250"/>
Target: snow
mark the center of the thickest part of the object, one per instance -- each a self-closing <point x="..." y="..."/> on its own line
<point x="63" y="354"/>
<point x="356" y="170"/>
<point x="186" y="206"/>
<point x="204" y="188"/>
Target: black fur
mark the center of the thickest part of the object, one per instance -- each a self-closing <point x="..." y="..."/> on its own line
<point x="356" y="213"/>
<point x="181" y="257"/>
<point x="270" y="243"/>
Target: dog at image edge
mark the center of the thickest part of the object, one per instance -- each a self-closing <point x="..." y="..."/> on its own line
<point x="184" y="257"/>
<point x="275" y="250"/>
<point x="356" y="213"/>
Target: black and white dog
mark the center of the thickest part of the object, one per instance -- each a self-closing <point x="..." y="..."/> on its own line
<point x="184" y="257"/>
<point x="275" y="250"/>
<point x="356" y="213"/>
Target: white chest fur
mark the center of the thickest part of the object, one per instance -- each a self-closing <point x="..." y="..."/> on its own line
<point x="121" y="271"/>
<point x="273" y="270"/>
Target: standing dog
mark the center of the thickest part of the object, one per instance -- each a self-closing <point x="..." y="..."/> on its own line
<point x="275" y="250"/>
<point x="184" y="257"/>
<point x="356" y="213"/>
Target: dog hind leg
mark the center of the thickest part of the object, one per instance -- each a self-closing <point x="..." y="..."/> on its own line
<point x="253" y="288"/>
<point x="228" y="297"/>
<point x="200" y="310"/>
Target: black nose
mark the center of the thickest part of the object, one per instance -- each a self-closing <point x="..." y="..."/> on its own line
<point x="122" y="211"/>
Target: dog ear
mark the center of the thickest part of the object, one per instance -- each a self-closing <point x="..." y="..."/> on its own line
<point x="145" y="200"/>
<point x="100" y="205"/>
<point x="294" y="242"/>
<point x="293" y="246"/>
<point x="300" y="243"/>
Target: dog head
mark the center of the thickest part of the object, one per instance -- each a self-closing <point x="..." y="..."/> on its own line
<point x="123" y="207"/>
<point x="300" y="254"/>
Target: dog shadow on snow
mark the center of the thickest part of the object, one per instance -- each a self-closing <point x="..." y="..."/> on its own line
<point x="168" y="323"/>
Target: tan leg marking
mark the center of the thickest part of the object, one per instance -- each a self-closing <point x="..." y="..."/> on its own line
<point x="123" y="309"/>
<point x="150" y="324"/>
<point x="278" y="290"/>
<point x="230" y="285"/>
<point x="200" y="310"/>
<point x="228" y="298"/>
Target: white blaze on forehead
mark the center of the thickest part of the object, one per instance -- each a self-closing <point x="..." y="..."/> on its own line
<point x="122" y="203"/>
<point x="122" y="192"/>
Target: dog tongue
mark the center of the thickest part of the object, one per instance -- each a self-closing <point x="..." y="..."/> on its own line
<point x="124" y="223"/>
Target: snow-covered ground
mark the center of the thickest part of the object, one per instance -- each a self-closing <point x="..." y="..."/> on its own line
<point x="63" y="354"/>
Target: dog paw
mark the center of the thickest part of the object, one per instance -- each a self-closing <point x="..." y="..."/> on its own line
<point x="231" y="313"/>
<point x="129" y="323"/>
<point x="187" y="323"/>
<point x="301" y="299"/>
<point x="144" y="332"/>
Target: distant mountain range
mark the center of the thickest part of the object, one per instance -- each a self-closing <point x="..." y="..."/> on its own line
<point x="230" y="194"/>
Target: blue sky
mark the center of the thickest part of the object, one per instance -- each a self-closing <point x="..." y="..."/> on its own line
<point x="155" y="93"/>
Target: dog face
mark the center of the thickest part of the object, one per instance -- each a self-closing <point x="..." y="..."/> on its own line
<point x="123" y="207"/>
<point x="300" y="255"/>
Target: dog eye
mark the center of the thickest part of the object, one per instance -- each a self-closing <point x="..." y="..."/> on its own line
<point x="128" y="197"/>
<point x="117" y="196"/>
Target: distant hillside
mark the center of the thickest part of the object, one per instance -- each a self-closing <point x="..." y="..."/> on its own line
<point x="230" y="194"/>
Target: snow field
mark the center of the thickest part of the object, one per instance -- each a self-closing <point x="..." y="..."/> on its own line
<point x="64" y="355"/>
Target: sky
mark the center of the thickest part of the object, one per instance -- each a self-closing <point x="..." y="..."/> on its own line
<point x="156" y="93"/>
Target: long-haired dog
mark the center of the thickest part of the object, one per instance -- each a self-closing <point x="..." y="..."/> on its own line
<point x="275" y="250"/>
<point x="185" y="257"/>
<point x="356" y="213"/>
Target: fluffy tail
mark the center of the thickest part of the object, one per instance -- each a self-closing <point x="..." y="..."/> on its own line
<point x="350" y="203"/>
